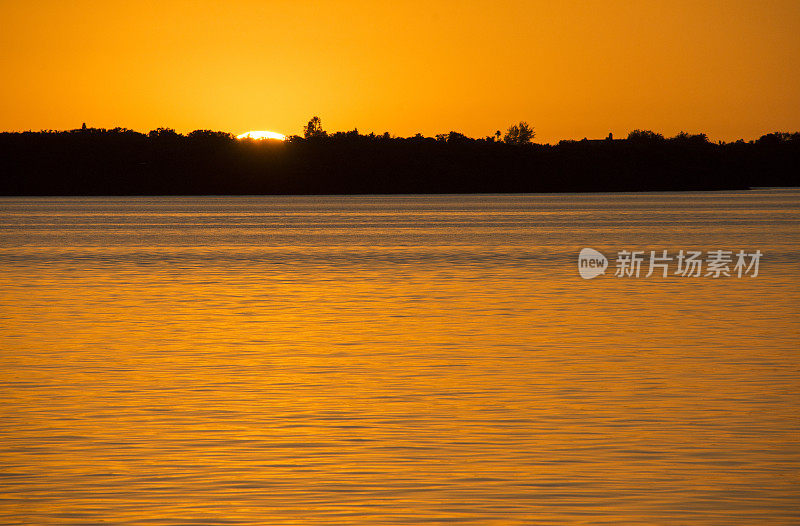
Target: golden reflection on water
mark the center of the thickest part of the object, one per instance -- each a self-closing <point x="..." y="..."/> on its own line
<point x="395" y="360"/>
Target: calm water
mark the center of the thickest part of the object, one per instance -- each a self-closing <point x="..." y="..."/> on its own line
<point x="396" y="360"/>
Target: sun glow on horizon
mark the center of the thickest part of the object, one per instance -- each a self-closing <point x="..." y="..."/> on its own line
<point x="262" y="134"/>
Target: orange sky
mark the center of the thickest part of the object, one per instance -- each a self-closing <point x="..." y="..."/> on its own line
<point x="572" y="69"/>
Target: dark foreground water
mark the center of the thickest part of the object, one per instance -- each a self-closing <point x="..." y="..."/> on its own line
<point x="397" y="360"/>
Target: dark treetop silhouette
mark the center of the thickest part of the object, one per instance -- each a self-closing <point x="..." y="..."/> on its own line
<point x="90" y="161"/>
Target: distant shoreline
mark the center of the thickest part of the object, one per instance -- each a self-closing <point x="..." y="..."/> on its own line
<point x="120" y="162"/>
<point x="486" y="194"/>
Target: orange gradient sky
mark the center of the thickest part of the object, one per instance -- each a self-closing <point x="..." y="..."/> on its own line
<point x="572" y="69"/>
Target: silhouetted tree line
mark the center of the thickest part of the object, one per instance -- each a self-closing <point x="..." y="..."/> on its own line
<point x="119" y="161"/>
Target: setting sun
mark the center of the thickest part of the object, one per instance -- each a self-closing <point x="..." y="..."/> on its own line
<point x="262" y="135"/>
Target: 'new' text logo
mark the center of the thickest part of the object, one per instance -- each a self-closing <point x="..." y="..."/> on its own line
<point x="591" y="263"/>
